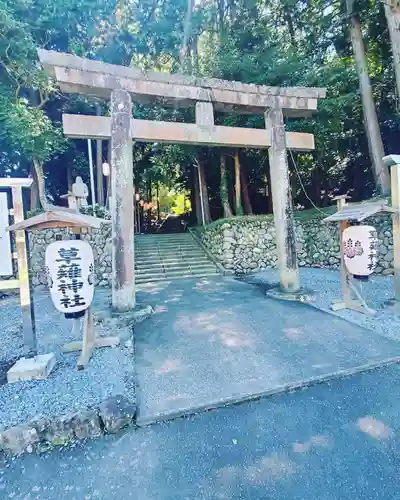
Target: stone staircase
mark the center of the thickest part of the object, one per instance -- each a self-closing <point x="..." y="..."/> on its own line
<point x="160" y="257"/>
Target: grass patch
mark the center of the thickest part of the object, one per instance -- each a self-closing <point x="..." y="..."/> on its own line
<point x="302" y="215"/>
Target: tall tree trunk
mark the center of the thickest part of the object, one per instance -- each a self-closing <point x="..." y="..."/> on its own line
<point x="224" y="188"/>
<point x="206" y="205"/>
<point x="221" y="17"/>
<point x="184" y="55"/>
<point x="196" y="197"/>
<point x="381" y="172"/>
<point x="393" y="20"/>
<point x="34" y="202"/>
<point x="288" y="18"/>
<point x="316" y="186"/>
<point x="247" y="208"/>
<point x="158" y="201"/>
<point x="238" y="190"/>
<point x="40" y="182"/>
<point x="69" y="178"/>
<point x="150" y="201"/>
<point x="99" y="165"/>
<point x="195" y="54"/>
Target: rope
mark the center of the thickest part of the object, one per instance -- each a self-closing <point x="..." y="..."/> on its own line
<point x="302" y="185"/>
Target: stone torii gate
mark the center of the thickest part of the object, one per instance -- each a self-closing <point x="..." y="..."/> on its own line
<point x="123" y="84"/>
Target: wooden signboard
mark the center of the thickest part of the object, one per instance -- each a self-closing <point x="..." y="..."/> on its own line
<point x="6" y="268"/>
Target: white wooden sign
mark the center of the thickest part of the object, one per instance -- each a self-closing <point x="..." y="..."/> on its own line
<point x="70" y="271"/>
<point x="6" y="268"/>
<point x="360" y="244"/>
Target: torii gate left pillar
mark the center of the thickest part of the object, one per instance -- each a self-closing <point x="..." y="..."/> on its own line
<point x="123" y="255"/>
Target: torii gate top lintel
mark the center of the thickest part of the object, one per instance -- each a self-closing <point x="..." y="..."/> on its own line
<point x="123" y="85"/>
<point x="84" y="76"/>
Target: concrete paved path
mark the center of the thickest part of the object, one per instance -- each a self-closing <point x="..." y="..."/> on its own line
<point x="215" y="341"/>
<point x="333" y="441"/>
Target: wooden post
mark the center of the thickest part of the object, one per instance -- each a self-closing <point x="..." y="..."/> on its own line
<point x="283" y="206"/>
<point x="99" y="164"/>
<point x="395" y="181"/>
<point x="123" y="278"/>
<point x="238" y="189"/>
<point x="392" y="12"/>
<point x="343" y="224"/>
<point x="25" y="285"/>
<point x="352" y="298"/>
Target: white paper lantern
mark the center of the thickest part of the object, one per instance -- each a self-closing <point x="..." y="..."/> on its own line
<point x="70" y="272"/>
<point x="106" y="169"/>
<point x="360" y="245"/>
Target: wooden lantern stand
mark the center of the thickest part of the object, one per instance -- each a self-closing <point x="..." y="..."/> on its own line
<point x="90" y="340"/>
<point x="352" y="298"/>
<point x="58" y="218"/>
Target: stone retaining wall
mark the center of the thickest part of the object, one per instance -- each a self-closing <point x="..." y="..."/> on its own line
<point x="240" y="244"/>
<point x="100" y="240"/>
<point x="246" y="244"/>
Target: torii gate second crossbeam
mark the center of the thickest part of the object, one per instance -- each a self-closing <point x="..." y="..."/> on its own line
<point x="75" y="74"/>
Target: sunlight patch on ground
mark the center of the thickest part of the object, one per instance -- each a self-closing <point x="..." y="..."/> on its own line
<point x="152" y="288"/>
<point x="271" y="467"/>
<point x="229" y="333"/>
<point x="169" y="366"/>
<point x="294" y="333"/>
<point x="374" y="428"/>
<point x="318" y="441"/>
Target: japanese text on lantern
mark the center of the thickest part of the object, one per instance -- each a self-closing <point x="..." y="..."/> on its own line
<point x="69" y="276"/>
<point x="70" y="272"/>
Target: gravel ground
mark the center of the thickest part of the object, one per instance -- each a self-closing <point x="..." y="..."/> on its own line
<point x="326" y="284"/>
<point x="110" y="370"/>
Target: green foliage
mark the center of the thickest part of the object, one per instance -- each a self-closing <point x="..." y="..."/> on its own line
<point x="29" y="130"/>
<point x="304" y="215"/>
<point x="97" y="211"/>
<point x="272" y="42"/>
<point x="181" y="204"/>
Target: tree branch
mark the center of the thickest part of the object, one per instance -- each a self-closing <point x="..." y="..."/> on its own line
<point x="44" y="98"/>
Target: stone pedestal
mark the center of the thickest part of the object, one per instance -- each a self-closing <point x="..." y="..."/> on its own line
<point x="36" y="368"/>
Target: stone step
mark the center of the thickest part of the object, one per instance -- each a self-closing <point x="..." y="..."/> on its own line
<point x="166" y="257"/>
<point x="177" y="271"/>
<point x="143" y="279"/>
<point x="157" y="248"/>
<point x="166" y="248"/>
<point x="178" y="266"/>
<point x="170" y="257"/>
<point x="163" y="241"/>
<point x="165" y="251"/>
<point x="180" y="262"/>
<point x="148" y="244"/>
<point x="148" y="265"/>
<point x="185" y="265"/>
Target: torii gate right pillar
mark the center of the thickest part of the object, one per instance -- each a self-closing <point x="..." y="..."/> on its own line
<point x="282" y="202"/>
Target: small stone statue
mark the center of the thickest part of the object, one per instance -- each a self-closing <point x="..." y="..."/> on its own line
<point x="81" y="192"/>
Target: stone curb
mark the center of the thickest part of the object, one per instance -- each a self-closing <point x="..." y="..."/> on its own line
<point x="114" y="320"/>
<point x="286" y="388"/>
<point x="43" y="433"/>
